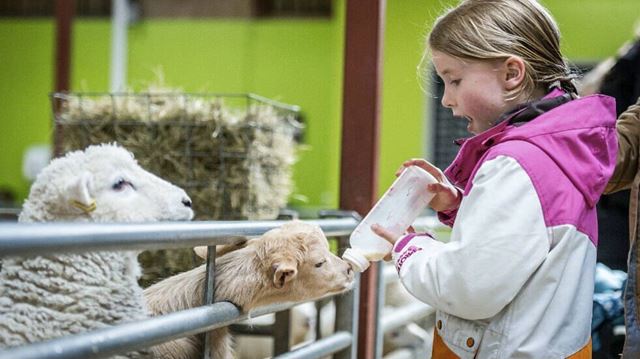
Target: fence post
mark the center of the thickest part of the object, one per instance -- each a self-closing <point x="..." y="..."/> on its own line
<point x="360" y="137"/>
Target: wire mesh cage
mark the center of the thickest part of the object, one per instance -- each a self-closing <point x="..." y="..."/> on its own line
<point x="232" y="153"/>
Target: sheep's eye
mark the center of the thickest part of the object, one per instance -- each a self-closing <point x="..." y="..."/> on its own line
<point x="121" y="184"/>
<point x="318" y="265"/>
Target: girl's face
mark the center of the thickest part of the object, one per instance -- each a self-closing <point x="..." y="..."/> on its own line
<point x="473" y="90"/>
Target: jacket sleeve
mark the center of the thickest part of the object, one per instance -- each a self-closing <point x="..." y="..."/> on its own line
<point x="498" y="241"/>
<point x="628" y="130"/>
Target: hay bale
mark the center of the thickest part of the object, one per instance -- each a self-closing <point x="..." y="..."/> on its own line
<point x="232" y="154"/>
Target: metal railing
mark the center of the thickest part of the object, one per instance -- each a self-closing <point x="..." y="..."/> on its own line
<point x="46" y="238"/>
<point x="34" y="239"/>
<point x="401" y="316"/>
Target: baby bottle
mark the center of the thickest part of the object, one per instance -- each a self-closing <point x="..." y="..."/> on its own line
<point x="395" y="211"/>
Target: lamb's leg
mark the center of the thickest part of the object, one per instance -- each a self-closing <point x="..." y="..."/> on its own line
<point x="221" y="345"/>
<point x="183" y="348"/>
<point x="191" y="347"/>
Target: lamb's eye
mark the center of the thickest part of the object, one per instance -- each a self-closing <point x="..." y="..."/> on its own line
<point x="318" y="265"/>
<point x="121" y="184"/>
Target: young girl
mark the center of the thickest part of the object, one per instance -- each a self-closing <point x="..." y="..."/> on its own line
<point x="516" y="279"/>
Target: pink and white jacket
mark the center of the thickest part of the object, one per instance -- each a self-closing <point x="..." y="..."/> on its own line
<point x="516" y="279"/>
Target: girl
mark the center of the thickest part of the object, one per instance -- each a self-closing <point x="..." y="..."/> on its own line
<point x="516" y="280"/>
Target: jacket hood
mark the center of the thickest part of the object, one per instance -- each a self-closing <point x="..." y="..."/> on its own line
<point x="579" y="136"/>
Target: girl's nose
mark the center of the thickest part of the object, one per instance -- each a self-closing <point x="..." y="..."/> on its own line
<point x="446" y="101"/>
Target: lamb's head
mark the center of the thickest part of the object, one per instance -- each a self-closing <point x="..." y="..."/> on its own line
<point x="299" y="264"/>
<point x="103" y="183"/>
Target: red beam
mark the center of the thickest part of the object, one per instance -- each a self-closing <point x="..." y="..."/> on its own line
<point x="64" y="19"/>
<point x="360" y="139"/>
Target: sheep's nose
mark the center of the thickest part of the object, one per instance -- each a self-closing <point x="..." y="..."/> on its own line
<point x="186" y="202"/>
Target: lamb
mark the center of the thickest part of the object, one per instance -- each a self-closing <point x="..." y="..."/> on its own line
<point x="287" y="264"/>
<point x="303" y="325"/>
<point x="53" y="295"/>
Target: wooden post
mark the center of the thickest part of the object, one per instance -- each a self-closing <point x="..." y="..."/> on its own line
<point x="360" y="139"/>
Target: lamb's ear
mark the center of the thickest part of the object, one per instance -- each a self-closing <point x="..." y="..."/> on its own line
<point x="201" y="251"/>
<point x="238" y="242"/>
<point x="78" y="192"/>
<point x="284" y="272"/>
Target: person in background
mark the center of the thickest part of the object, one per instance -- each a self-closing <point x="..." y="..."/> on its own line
<point x="627" y="176"/>
<point x="516" y="279"/>
<point x="619" y="77"/>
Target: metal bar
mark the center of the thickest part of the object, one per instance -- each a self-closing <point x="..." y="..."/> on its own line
<point x="318" y="306"/>
<point x="322" y="347"/>
<point x="281" y="332"/>
<point x="404" y="315"/>
<point x="123" y="338"/>
<point x="380" y="290"/>
<point x="119" y="24"/>
<point x="347" y="310"/>
<point x="360" y="139"/>
<point x="41" y="238"/>
<point x="209" y="292"/>
<point x="246" y="329"/>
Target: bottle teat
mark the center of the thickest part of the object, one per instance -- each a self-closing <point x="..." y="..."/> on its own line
<point x="357" y="260"/>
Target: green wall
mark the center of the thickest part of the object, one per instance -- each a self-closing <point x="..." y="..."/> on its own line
<point x="294" y="61"/>
<point x="26" y="77"/>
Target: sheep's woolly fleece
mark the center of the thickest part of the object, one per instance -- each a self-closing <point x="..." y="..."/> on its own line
<point x="49" y="296"/>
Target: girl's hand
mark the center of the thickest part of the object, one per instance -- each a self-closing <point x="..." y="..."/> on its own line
<point x="382" y="232"/>
<point x="447" y="196"/>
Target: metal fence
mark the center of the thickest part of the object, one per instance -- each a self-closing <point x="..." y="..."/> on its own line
<point x="27" y="239"/>
<point x="34" y="239"/>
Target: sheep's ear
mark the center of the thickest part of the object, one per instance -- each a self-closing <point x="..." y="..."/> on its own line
<point x="283" y="272"/>
<point x="78" y="192"/>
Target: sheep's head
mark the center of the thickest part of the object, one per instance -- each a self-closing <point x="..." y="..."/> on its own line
<point x="103" y="183"/>
<point x="300" y="264"/>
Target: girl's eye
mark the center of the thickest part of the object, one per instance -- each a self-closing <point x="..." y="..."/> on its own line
<point x="121" y="184"/>
<point x="318" y="265"/>
<point x="454" y="82"/>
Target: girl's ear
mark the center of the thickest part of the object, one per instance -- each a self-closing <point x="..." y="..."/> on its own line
<point x="514" y="70"/>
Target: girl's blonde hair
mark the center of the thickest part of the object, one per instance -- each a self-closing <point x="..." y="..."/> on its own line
<point x="498" y="29"/>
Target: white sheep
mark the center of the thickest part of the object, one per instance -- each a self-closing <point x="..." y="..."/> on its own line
<point x="49" y="296"/>
<point x="288" y="264"/>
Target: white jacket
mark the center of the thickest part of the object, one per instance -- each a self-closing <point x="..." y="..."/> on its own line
<point x="507" y="287"/>
<point x="516" y="279"/>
